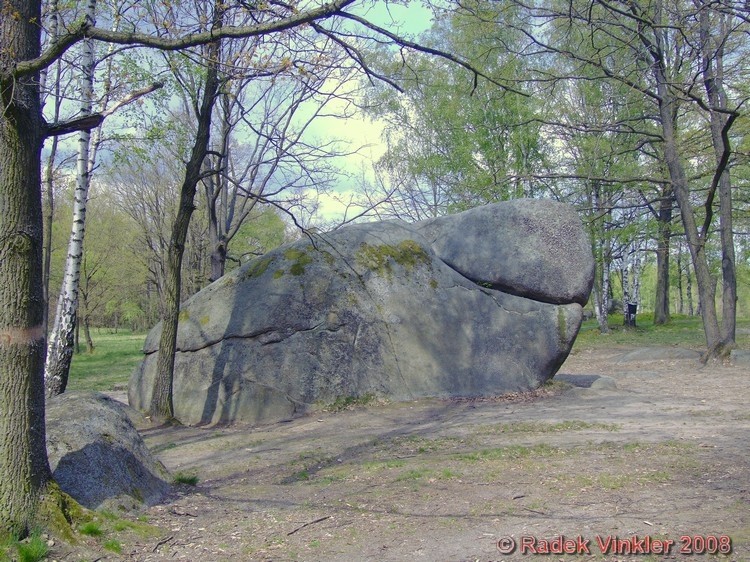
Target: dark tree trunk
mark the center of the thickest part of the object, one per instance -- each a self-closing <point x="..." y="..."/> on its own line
<point x="713" y="79"/>
<point x="661" y="304"/>
<point x="24" y="470"/>
<point x="696" y="240"/>
<point x="161" y="407"/>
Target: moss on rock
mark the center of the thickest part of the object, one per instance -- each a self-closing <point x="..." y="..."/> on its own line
<point x="382" y="257"/>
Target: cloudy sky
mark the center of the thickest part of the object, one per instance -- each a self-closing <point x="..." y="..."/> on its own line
<point x="360" y="132"/>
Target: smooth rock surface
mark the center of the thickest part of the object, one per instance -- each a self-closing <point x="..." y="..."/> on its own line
<point x="373" y="310"/>
<point x="98" y="457"/>
<point x="530" y="248"/>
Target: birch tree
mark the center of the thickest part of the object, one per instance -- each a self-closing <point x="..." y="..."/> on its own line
<point x="60" y="349"/>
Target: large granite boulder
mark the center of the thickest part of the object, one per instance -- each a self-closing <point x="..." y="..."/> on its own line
<point x="97" y="456"/>
<point x="476" y="304"/>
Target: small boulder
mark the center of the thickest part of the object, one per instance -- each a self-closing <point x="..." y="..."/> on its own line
<point x="97" y="456"/>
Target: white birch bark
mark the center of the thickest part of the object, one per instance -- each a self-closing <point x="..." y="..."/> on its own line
<point x="60" y="348"/>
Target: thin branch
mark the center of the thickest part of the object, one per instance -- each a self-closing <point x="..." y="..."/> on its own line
<point x="431" y="51"/>
<point x="130" y="98"/>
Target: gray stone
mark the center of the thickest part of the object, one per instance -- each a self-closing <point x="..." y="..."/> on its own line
<point x="98" y="457"/>
<point x="658" y="354"/>
<point x="604" y="383"/>
<point x="371" y="309"/>
<point x="526" y="247"/>
<point x="596" y="382"/>
<point x="740" y="357"/>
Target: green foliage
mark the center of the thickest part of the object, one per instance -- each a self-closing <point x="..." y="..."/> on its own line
<point x="261" y="232"/>
<point x="455" y="143"/>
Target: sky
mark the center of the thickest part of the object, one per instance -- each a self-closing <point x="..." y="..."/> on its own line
<point x="361" y="132"/>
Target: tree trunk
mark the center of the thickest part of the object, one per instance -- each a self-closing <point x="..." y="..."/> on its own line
<point x="49" y="215"/>
<point x="61" y="341"/>
<point x="661" y="303"/>
<point x="680" y="292"/>
<point x="161" y="407"/>
<point x="713" y="80"/>
<point x="689" y="290"/>
<point x="601" y="301"/>
<point x="696" y="240"/>
<point x="49" y="200"/>
<point x="24" y="470"/>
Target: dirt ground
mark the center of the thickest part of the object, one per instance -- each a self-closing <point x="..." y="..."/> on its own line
<point x="663" y="456"/>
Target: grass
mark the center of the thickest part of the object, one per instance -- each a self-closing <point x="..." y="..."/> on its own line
<point x="32" y="550"/>
<point x="91" y="529"/>
<point x="521" y="427"/>
<point x="682" y="331"/>
<point x="113" y="546"/>
<point x="111" y="363"/>
<point x="183" y="478"/>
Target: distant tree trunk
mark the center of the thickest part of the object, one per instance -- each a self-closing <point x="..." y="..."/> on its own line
<point x="49" y="214"/>
<point x="24" y="470"/>
<point x="626" y="286"/>
<point x="161" y="407"/>
<point x="601" y="297"/>
<point x="61" y="341"/>
<point x="661" y="303"/>
<point x="681" y="309"/>
<point x="87" y="335"/>
<point x="49" y="200"/>
<point x="601" y="248"/>
<point x="216" y="204"/>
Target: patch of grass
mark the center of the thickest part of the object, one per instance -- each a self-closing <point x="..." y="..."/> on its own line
<point x="163" y="447"/>
<point x="415" y="474"/>
<point x="91" y="529"/>
<point x="111" y="363"/>
<point x="184" y="478"/>
<point x="410" y="444"/>
<point x="546" y="427"/>
<point x="349" y="402"/>
<point x="301" y="476"/>
<point x="32" y="549"/>
<point x="511" y="452"/>
<point x="681" y="331"/>
<point x="383" y="465"/>
<point x="113" y="546"/>
<point x="448" y="474"/>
